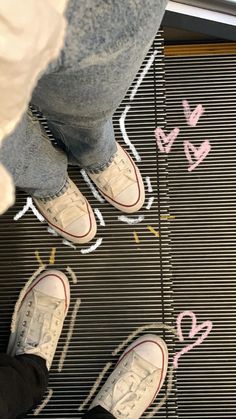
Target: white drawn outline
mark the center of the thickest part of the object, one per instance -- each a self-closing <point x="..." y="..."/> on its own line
<point x="125" y="135"/>
<point x="150" y="202"/>
<point x="69" y="334"/>
<point x="44" y="402"/>
<point x="149" y="185"/>
<point x="91" y="186"/>
<point x="29" y="205"/>
<point x="143" y="74"/>
<point x="99" y="216"/>
<point x="69" y="244"/>
<point x="72" y="274"/>
<point x="131" y="221"/>
<point x="93" y="247"/>
<point x="52" y="231"/>
<point x="95" y="386"/>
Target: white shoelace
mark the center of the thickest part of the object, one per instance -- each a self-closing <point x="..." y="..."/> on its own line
<point x="116" y="178"/>
<point x="64" y="208"/>
<point x="40" y="331"/>
<point x="34" y="348"/>
<point x="131" y="386"/>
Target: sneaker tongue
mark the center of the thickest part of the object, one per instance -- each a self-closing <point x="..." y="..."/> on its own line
<point x="69" y="215"/>
<point x="117" y="184"/>
<point x="131" y="382"/>
<point x="35" y="339"/>
<point x="36" y="332"/>
<point x="128" y="383"/>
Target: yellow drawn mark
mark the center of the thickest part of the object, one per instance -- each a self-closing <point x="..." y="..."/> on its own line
<point x="153" y="231"/>
<point x="136" y="238"/>
<point x="38" y="258"/>
<point x="51" y="259"/>
<point x="167" y="217"/>
<point x="52" y="256"/>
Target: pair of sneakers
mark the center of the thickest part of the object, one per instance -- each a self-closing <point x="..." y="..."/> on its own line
<point x="70" y="213"/>
<point x="139" y="373"/>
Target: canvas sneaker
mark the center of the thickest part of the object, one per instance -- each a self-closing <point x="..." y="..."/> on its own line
<point x="69" y="214"/>
<point x="121" y="183"/>
<point x="136" y="379"/>
<point x="40" y="316"/>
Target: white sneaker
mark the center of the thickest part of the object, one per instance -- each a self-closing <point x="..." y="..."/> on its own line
<point x="40" y="317"/>
<point x="121" y="183"/>
<point x="69" y="214"/>
<point x="136" y="379"/>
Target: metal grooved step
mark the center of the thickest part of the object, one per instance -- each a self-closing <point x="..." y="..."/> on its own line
<point x="204" y="230"/>
<point x="122" y="285"/>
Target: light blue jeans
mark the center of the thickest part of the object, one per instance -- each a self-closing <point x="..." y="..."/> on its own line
<point x="105" y="45"/>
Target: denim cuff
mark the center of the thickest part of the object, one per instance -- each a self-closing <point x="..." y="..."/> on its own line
<point x="101" y="167"/>
<point x="61" y="191"/>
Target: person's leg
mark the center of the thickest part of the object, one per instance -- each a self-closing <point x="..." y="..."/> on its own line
<point x="41" y="171"/>
<point x="36" y="328"/>
<point x="135" y="381"/>
<point x="23" y="382"/>
<point x="35" y="165"/>
<point x="105" y="45"/>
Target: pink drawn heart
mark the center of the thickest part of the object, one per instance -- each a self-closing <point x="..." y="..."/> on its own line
<point x="199" y="153"/>
<point x="192" y="117"/>
<point x="164" y="141"/>
<point x="194" y="330"/>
